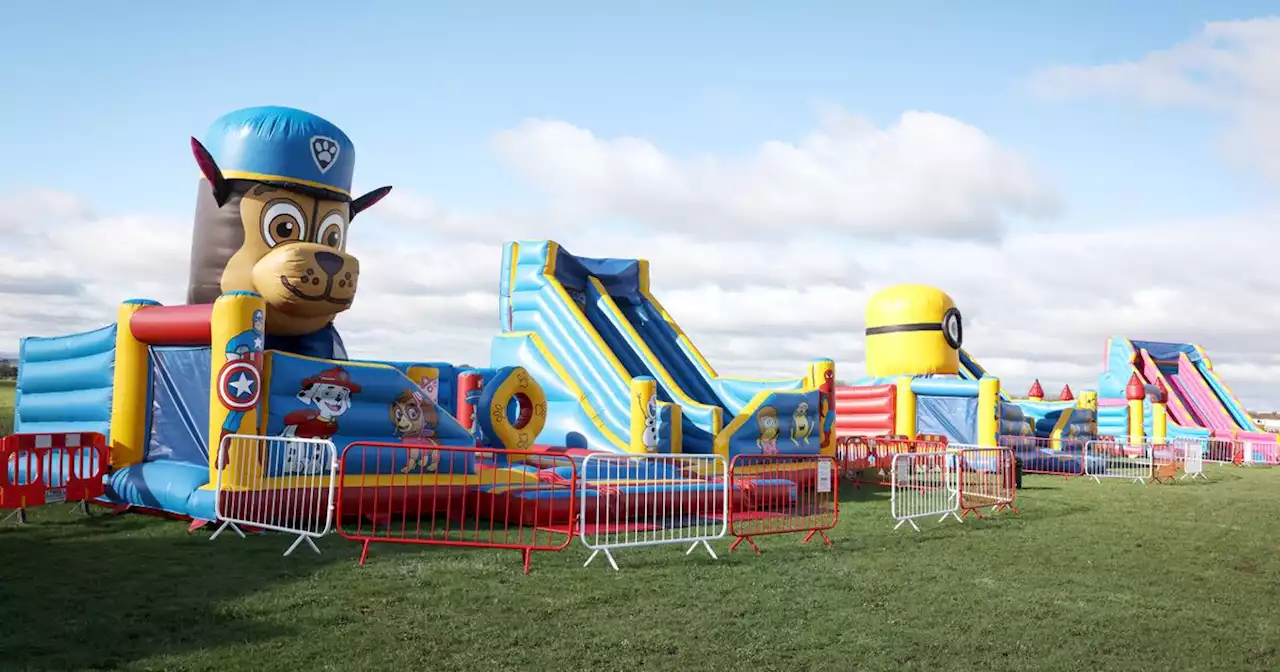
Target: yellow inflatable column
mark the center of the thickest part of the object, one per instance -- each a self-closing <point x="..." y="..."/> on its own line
<point x="904" y="412"/>
<point x="129" y="405"/>
<point x="644" y="414"/>
<point x="988" y="411"/>
<point x="1134" y="392"/>
<point x="1160" y="414"/>
<point x="236" y="388"/>
<point x="822" y="377"/>
<point x="1087" y="400"/>
<point x="912" y="330"/>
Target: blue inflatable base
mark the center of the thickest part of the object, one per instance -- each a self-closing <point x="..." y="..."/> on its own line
<point x="1064" y="462"/>
<point x="169" y="486"/>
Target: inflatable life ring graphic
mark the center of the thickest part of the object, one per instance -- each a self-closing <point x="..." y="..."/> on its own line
<point x="513" y="430"/>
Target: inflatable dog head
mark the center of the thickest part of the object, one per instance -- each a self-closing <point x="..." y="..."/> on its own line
<point x="272" y="216"/>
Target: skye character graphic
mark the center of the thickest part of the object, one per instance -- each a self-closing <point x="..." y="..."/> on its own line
<point x="414" y="420"/>
<point x="769" y="428"/>
<point x="330" y="392"/>
<point x="801" y="425"/>
<point x="430" y="388"/>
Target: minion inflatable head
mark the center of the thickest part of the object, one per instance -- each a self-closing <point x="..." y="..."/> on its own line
<point x="912" y="330"/>
<point x="272" y="215"/>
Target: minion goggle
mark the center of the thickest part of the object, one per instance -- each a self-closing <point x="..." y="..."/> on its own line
<point x="950" y="326"/>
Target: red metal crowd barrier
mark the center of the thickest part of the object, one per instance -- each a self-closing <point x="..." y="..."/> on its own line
<point x="455" y="496"/>
<point x="52" y="468"/>
<point x="867" y="460"/>
<point x="987" y="480"/>
<point x="783" y="494"/>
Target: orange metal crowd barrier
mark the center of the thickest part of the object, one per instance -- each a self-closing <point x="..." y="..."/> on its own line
<point x="52" y="468"/>
<point x="456" y="496"/>
<point x="867" y="460"/>
<point x="987" y="479"/>
<point x="783" y="494"/>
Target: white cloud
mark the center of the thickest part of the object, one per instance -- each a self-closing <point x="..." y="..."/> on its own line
<point x="1036" y="304"/>
<point x="924" y="174"/>
<point x="1229" y="67"/>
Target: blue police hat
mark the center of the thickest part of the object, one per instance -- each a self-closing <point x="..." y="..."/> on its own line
<point x="281" y="144"/>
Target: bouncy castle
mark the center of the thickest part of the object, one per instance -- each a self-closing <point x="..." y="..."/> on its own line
<point x="587" y="360"/>
<point x="923" y="385"/>
<point x="914" y="384"/>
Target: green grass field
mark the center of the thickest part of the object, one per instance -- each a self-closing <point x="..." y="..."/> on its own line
<point x="1111" y="576"/>
<point x="6" y="407"/>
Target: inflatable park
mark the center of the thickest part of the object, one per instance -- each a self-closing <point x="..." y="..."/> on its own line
<point x="587" y="361"/>
<point x="922" y="384"/>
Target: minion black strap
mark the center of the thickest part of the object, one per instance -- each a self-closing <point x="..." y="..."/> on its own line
<point x="898" y="328"/>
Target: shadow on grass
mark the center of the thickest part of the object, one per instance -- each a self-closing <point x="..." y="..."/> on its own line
<point x="862" y="493"/>
<point x="108" y="591"/>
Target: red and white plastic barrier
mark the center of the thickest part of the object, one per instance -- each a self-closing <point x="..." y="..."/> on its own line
<point x="51" y="468"/>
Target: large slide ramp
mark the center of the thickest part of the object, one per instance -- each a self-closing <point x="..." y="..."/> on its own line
<point x="586" y="328"/>
<point x="1198" y="397"/>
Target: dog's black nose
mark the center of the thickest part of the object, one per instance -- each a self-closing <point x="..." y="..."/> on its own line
<point x="329" y="262"/>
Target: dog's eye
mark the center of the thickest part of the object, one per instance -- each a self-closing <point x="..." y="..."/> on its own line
<point x="333" y="230"/>
<point x="283" y="222"/>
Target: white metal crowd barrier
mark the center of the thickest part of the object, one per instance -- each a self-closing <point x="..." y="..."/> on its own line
<point x="277" y="483"/>
<point x="1191" y="455"/>
<point x="629" y="501"/>
<point x="1260" y="453"/>
<point x="924" y="485"/>
<point x="1119" y="460"/>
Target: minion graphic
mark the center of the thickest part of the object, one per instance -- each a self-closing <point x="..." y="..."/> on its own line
<point x="913" y="330"/>
<point x="801" y="426"/>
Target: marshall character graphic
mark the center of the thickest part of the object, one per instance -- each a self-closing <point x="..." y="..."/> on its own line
<point x="244" y="347"/>
<point x="414" y="419"/>
<point x="330" y="392"/>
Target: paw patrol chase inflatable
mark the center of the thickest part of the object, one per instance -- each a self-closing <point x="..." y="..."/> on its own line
<point x="272" y="216"/>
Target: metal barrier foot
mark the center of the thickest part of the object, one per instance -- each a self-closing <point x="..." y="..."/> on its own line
<point x="18" y="516"/>
<point x="749" y="540"/>
<point x="607" y="556"/>
<point x="705" y="545"/>
<point x="225" y="524"/>
<point x="910" y="521"/>
<point x="364" y="551"/>
<point x="301" y="538"/>
<point x="82" y="508"/>
<point x="809" y="537"/>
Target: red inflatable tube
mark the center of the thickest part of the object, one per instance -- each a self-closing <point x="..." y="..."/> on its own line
<point x="172" y="325"/>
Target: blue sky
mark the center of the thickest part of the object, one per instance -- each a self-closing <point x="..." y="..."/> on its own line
<point x="99" y="101"/>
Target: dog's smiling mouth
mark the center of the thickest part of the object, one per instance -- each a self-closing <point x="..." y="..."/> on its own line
<point x="332" y="407"/>
<point x="284" y="279"/>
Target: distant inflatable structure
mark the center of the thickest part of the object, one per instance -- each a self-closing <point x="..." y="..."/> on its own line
<point x="914" y="383"/>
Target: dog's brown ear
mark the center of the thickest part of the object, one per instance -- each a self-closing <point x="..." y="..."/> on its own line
<point x="368" y="200"/>
<point x="209" y="168"/>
